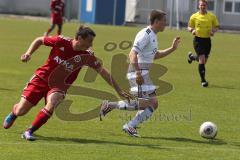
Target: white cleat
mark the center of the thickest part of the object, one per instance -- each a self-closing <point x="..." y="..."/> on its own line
<point x="28" y="136"/>
<point x="130" y="130"/>
<point x="105" y="108"/>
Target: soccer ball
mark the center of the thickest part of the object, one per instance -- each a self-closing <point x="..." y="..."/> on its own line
<point x="208" y="130"/>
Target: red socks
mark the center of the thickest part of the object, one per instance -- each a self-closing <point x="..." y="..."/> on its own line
<point x="40" y="119"/>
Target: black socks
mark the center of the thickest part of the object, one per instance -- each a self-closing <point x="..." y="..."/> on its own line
<point x="201" y="69"/>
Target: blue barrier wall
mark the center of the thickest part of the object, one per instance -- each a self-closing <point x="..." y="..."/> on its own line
<point x="103" y="11"/>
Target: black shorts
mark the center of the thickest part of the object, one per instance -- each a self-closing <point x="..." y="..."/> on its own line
<point x="202" y="46"/>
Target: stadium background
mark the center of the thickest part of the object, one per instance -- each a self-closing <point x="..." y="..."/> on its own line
<point x="172" y="134"/>
<point x="131" y="11"/>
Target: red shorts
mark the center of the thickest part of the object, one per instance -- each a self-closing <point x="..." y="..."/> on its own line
<point x="36" y="89"/>
<point x="56" y="20"/>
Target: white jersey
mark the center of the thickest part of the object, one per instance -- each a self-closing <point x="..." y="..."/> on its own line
<point x="146" y="45"/>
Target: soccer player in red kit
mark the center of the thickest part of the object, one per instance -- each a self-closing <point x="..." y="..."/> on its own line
<point x="52" y="80"/>
<point x="57" y="12"/>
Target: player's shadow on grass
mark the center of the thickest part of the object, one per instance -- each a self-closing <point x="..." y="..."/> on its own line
<point x="237" y="144"/>
<point x="95" y="141"/>
<point x="222" y="87"/>
<point x="6" y="89"/>
<point x="181" y="139"/>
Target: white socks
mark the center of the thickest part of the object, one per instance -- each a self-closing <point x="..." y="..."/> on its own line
<point x="141" y="116"/>
<point x="125" y="105"/>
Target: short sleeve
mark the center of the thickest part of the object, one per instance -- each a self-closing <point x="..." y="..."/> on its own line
<point x="51" y="5"/>
<point x="141" y="40"/>
<point x="191" y="22"/>
<point x="51" y="41"/>
<point x="215" y="21"/>
<point x="93" y="62"/>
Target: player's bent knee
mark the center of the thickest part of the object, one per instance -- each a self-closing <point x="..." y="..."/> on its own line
<point x="202" y="59"/>
<point x="155" y="106"/>
<point x="54" y="99"/>
<point x="53" y="103"/>
<point x="154" y="103"/>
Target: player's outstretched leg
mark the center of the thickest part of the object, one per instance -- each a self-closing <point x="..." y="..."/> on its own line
<point x="44" y="114"/>
<point x="19" y="109"/>
<point x="107" y="106"/>
<point x="132" y="105"/>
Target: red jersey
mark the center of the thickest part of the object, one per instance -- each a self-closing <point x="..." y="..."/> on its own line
<point x="57" y="10"/>
<point x="63" y="64"/>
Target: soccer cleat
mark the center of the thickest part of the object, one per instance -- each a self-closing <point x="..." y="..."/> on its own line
<point x="105" y="108"/>
<point x="204" y="83"/>
<point x="130" y="130"/>
<point x="28" y="136"/>
<point x="189" y="59"/>
<point x="9" y="120"/>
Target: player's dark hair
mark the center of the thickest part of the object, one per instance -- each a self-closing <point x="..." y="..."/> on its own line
<point x="84" y="32"/>
<point x="156" y="15"/>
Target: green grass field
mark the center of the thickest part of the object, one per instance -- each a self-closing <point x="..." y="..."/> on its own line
<point x="173" y="132"/>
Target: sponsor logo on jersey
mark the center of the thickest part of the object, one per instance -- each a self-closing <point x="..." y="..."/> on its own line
<point x="77" y="58"/>
<point x="68" y="66"/>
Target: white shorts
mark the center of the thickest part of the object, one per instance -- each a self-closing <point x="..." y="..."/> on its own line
<point x="146" y="88"/>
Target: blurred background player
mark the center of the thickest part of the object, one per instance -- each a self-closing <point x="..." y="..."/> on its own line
<point x="144" y="51"/>
<point x="53" y="79"/>
<point x="57" y="13"/>
<point x="202" y="25"/>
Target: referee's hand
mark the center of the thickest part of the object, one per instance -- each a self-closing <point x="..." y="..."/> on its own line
<point x="211" y="33"/>
<point x="194" y="32"/>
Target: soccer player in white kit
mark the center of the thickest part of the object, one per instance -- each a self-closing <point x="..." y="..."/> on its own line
<point x="142" y="54"/>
